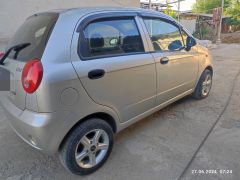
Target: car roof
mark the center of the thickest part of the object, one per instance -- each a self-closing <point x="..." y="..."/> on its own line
<point x="88" y="10"/>
<point x="93" y="9"/>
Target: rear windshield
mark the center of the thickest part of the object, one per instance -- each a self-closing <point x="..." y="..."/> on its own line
<point x="35" y="30"/>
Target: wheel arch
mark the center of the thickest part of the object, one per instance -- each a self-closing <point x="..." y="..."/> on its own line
<point x="101" y="115"/>
<point x="210" y="68"/>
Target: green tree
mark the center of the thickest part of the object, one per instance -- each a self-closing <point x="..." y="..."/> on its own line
<point x="169" y="11"/>
<point x="231" y="8"/>
<point x="207" y="6"/>
<point x="234" y="9"/>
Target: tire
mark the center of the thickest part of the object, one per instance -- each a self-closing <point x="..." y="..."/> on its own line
<point x="81" y="144"/>
<point x="205" y="81"/>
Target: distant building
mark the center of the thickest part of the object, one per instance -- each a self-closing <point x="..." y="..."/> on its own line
<point x="202" y="25"/>
<point x="156" y="5"/>
<point x="202" y="18"/>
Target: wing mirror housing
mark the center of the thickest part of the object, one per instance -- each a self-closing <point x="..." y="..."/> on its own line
<point x="190" y="43"/>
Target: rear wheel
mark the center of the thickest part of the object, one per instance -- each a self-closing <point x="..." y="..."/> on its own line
<point x="204" y="85"/>
<point x="87" y="147"/>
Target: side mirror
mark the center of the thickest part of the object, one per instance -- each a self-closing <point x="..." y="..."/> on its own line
<point x="190" y="43"/>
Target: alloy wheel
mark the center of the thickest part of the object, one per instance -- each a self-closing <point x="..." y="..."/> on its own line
<point x="92" y="148"/>
<point x="206" y="85"/>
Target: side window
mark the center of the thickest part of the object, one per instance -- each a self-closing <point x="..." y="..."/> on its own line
<point x="164" y="35"/>
<point x="109" y="37"/>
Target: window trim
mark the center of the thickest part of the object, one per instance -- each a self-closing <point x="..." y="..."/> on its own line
<point x="116" y="15"/>
<point x="174" y="23"/>
<point x="184" y="30"/>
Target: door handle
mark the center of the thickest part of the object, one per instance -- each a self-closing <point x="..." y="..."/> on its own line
<point x="96" y="74"/>
<point x="164" y="60"/>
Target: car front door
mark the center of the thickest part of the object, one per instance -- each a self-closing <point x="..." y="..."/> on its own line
<point x="177" y="68"/>
<point x="112" y="64"/>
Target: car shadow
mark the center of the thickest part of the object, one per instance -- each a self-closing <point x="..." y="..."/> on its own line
<point x="153" y="117"/>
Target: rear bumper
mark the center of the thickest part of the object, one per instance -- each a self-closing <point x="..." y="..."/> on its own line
<point x="43" y="131"/>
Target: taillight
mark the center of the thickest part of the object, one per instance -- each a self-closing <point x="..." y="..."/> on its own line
<point x="1" y="54"/>
<point x="32" y="75"/>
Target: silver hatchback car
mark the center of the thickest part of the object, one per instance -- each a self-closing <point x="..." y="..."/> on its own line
<point x="78" y="76"/>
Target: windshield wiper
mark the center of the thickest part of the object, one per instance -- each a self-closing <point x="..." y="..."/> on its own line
<point x="15" y="48"/>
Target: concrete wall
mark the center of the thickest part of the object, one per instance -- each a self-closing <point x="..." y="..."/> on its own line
<point x="14" y="12"/>
<point x="190" y="24"/>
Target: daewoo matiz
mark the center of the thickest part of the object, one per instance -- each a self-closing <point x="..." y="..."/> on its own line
<point x="78" y="76"/>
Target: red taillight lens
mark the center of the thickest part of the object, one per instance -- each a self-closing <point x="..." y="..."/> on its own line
<point x="32" y="75"/>
<point x="1" y="54"/>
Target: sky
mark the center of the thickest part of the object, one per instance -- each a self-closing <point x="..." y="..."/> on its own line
<point x="184" y="6"/>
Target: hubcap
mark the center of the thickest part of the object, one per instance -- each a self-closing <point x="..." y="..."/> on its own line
<point x="92" y="148"/>
<point x="206" y="86"/>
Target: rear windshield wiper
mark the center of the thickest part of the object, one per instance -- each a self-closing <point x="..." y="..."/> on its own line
<point x="15" y="48"/>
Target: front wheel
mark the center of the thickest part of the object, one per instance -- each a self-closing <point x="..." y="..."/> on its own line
<point x="87" y="147"/>
<point x="204" y="85"/>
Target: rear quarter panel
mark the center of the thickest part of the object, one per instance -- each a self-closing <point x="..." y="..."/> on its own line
<point x="60" y="89"/>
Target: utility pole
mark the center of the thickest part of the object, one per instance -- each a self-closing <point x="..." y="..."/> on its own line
<point x="178" y="10"/>
<point x="150" y="4"/>
<point x="220" y="25"/>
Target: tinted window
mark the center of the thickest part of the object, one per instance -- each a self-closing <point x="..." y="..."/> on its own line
<point x="165" y="36"/>
<point x="35" y="30"/>
<point x="111" y="37"/>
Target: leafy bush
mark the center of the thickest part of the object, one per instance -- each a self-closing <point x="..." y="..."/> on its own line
<point x="232" y="21"/>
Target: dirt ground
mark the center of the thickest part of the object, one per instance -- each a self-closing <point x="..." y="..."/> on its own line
<point x="182" y="141"/>
<point x="231" y="37"/>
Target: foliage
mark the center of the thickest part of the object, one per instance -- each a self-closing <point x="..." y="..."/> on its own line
<point x="231" y="8"/>
<point x="201" y="33"/>
<point x="207" y="6"/>
<point x="233" y="21"/>
<point x="169" y="11"/>
<point x="234" y="11"/>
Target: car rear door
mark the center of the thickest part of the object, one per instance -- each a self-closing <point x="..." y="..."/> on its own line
<point x="177" y="68"/>
<point x="35" y="31"/>
<point x="112" y="64"/>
